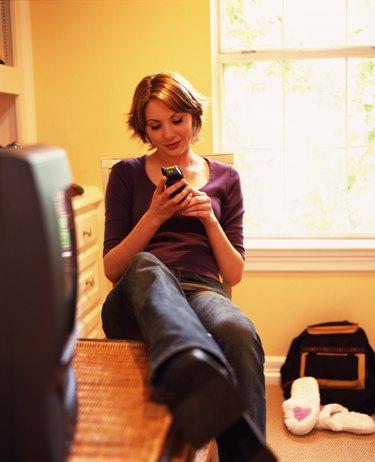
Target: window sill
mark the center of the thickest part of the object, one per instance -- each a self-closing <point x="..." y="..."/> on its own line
<point x="296" y="254"/>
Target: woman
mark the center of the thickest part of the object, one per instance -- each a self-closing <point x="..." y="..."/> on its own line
<point x="166" y="254"/>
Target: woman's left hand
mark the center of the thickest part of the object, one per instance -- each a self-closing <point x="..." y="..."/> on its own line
<point x="200" y="207"/>
<point x="229" y="261"/>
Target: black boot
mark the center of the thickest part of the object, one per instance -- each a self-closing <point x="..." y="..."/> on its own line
<point x="200" y="395"/>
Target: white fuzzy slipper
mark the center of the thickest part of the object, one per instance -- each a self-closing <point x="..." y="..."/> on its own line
<point x="339" y="419"/>
<point x="301" y="410"/>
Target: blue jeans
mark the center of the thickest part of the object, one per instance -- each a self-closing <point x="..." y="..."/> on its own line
<point x="173" y="311"/>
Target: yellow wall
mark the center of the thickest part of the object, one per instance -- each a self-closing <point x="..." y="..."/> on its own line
<point x="282" y="304"/>
<point x="88" y="57"/>
<point x="90" y="54"/>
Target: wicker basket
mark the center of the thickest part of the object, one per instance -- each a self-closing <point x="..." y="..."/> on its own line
<point x="117" y="418"/>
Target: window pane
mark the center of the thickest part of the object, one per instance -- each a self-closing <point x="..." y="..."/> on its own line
<point x="295" y="191"/>
<point x="361" y="101"/>
<point x="246" y="25"/>
<point x="289" y="124"/>
<point x="361" y="189"/>
<point x="315" y="190"/>
<point x="361" y="22"/>
<point x="308" y="190"/>
<point x="263" y="171"/>
<point x="259" y="24"/>
<point x="252" y="105"/>
<point x="314" y="102"/>
<point x="361" y="143"/>
<point x="303" y="19"/>
<point x="310" y="112"/>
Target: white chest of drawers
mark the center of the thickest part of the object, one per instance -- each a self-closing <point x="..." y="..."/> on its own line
<point x="88" y="213"/>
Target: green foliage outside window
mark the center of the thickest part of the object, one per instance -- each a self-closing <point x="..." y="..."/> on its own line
<point x="298" y="110"/>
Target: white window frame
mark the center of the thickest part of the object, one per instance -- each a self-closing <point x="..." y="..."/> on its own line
<point x="290" y="252"/>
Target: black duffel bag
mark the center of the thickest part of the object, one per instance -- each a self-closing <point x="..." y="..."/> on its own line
<point x="340" y="357"/>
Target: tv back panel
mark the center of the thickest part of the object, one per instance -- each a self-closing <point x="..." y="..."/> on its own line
<point x="38" y="287"/>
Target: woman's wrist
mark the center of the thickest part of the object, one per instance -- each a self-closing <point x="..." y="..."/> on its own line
<point x="152" y="219"/>
<point x="210" y="222"/>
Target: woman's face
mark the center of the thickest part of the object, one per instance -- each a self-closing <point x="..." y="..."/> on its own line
<point x="170" y="132"/>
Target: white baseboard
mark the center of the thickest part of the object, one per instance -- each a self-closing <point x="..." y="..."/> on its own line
<point x="272" y="367"/>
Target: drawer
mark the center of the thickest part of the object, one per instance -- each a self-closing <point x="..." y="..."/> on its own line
<point x="86" y="229"/>
<point x="88" y="280"/>
<point x="88" y="212"/>
<point x="88" y="257"/>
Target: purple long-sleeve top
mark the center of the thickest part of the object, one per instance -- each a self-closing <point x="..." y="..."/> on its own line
<point x="180" y="242"/>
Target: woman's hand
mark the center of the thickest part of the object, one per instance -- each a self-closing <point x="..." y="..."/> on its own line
<point x="229" y="261"/>
<point x="199" y="206"/>
<point x="162" y="206"/>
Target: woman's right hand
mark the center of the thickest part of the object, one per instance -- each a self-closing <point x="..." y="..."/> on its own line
<point x="162" y="206"/>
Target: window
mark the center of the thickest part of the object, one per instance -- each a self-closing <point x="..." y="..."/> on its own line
<point x="294" y="100"/>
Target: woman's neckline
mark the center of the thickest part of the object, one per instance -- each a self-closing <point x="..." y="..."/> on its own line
<point x="208" y="162"/>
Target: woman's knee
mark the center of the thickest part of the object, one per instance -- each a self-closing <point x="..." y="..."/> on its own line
<point x="240" y="332"/>
<point x="118" y="320"/>
<point x="144" y="271"/>
<point x="139" y="262"/>
<point x="238" y="327"/>
<point x="143" y="259"/>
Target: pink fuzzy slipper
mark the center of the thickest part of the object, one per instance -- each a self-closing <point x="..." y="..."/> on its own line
<point x="339" y="419"/>
<point x="301" y="410"/>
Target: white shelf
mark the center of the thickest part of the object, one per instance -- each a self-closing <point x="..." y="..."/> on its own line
<point x="17" y="115"/>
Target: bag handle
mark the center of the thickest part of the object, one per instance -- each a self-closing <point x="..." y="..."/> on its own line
<point x="329" y="328"/>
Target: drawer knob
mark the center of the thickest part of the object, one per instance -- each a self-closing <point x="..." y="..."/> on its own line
<point x="87" y="232"/>
<point x="90" y="282"/>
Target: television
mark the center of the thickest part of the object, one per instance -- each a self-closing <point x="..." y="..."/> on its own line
<point x="38" y="290"/>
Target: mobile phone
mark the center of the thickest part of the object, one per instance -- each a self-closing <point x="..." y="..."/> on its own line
<point x="173" y="174"/>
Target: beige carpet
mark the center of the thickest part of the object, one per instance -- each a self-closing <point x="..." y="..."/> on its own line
<point x="317" y="446"/>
